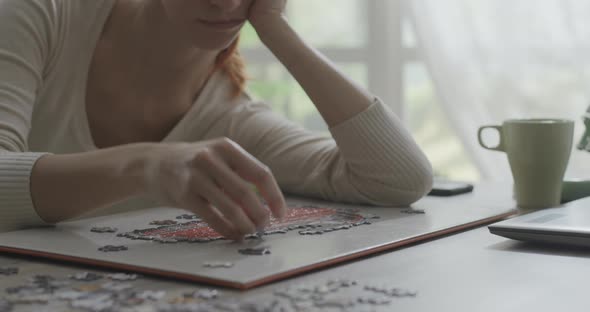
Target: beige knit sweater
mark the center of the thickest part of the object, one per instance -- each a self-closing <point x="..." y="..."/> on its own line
<point x="45" y="51"/>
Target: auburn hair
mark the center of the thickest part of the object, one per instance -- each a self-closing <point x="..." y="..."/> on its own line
<point x="232" y="63"/>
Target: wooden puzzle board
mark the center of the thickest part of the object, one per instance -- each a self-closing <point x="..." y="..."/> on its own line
<point x="291" y="252"/>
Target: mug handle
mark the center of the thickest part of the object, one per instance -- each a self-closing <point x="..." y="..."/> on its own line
<point x="499" y="147"/>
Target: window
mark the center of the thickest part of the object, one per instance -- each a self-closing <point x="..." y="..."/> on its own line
<point x="372" y="42"/>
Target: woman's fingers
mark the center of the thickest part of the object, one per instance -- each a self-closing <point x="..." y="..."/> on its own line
<point x="228" y="192"/>
<point x="240" y="192"/>
<point x="213" y="218"/>
<point x="218" y="175"/>
<point x="231" y="211"/>
<point x="230" y="220"/>
<point x="255" y="172"/>
<point x="209" y="190"/>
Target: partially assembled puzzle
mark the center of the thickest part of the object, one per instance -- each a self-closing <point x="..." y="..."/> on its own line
<point x="174" y="243"/>
<point x="305" y="219"/>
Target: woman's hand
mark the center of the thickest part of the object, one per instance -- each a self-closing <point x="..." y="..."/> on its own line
<point x="263" y="13"/>
<point x="212" y="179"/>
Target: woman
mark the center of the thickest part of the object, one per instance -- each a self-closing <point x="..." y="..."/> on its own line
<point x="105" y="102"/>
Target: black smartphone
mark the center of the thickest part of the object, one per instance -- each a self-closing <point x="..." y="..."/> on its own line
<point x="450" y="188"/>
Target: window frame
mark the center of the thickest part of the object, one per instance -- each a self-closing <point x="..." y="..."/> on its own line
<point x="385" y="59"/>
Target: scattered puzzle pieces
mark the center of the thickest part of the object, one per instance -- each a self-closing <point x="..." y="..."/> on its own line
<point x="103" y="229"/>
<point x="122" y="277"/>
<point x="205" y="294"/>
<point x="413" y="211"/>
<point x="163" y="222"/>
<point x="7" y="271"/>
<point x="188" y="217"/>
<point x="258" y="251"/>
<point x="86" y="276"/>
<point x="218" y="264"/>
<point x="120" y="294"/>
<point x="110" y="248"/>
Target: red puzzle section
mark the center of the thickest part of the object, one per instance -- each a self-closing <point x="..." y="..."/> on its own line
<point x="304" y="217"/>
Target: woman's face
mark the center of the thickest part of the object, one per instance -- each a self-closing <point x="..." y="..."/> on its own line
<point x="209" y="24"/>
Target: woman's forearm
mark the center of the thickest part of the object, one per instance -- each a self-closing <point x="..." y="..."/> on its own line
<point x="336" y="97"/>
<point x="66" y="186"/>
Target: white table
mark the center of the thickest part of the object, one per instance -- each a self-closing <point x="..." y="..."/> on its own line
<point x="468" y="271"/>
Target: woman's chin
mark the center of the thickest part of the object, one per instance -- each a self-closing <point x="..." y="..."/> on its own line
<point x="215" y="43"/>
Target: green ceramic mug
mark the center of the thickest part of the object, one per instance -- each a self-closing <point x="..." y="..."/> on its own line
<point x="538" y="151"/>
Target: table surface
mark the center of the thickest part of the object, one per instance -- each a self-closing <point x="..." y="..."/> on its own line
<point x="468" y="271"/>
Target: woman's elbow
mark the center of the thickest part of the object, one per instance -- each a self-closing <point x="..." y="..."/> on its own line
<point x="419" y="180"/>
<point x="399" y="198"/>
<point x="399" y="190"/>
<point x="424" y="179"/>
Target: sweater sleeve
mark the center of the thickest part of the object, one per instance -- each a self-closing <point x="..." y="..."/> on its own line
<point x="24" y="44"/>
<point x="370" y="158"/>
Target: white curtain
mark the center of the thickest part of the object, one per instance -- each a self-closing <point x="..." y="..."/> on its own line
<point x="496" y="59"/>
